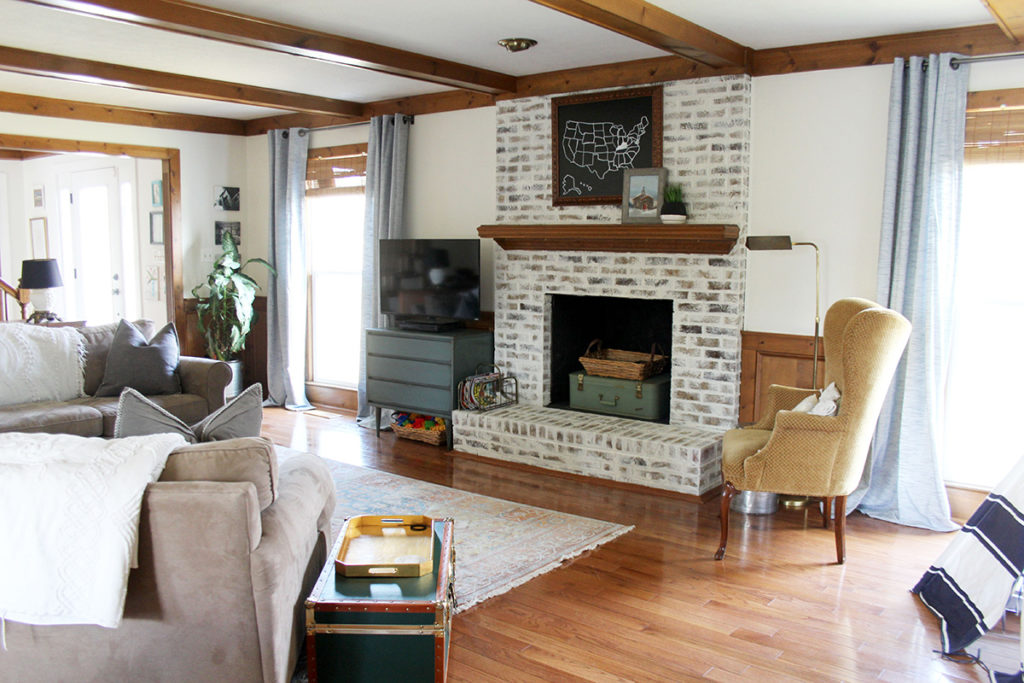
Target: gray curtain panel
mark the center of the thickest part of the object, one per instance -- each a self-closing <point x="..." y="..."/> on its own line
<point x="286" y="296"/>
<point x="916" y="266"/>
<point x="386" y="156"/>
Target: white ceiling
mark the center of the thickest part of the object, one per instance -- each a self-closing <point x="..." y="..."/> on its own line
<point x="463" y="31"/>
<point x="763" y="24"/>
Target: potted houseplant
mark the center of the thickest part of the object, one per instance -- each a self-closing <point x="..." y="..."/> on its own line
<point x="226" y="313"/>
<point x="673" y="210"/>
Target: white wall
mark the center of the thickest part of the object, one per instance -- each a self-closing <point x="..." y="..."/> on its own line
<point x="451" y="187"/>
<point x="818" y="150"/>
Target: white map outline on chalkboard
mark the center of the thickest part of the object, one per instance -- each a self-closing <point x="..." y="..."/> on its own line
<point x="602" y="147"/>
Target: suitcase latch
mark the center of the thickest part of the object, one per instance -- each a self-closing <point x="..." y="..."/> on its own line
<point x="579" y="382"/>
<point x="639" y="390"/>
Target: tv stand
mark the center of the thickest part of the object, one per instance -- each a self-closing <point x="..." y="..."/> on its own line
<point x="419" y="372"/>
<point x="429" y="325"/>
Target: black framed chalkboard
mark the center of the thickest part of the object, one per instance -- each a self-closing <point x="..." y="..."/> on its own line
<point x="595" y="137"/>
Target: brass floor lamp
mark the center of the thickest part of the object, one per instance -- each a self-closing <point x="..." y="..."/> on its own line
<point x="785" y="243"/>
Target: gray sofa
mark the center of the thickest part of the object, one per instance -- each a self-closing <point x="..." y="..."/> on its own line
<point x="230" y="545"/>
<point x="203" y="382"/>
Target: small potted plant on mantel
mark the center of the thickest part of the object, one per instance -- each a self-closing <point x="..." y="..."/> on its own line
<point x="226" y="313"/>
<point x="673" y="210"/>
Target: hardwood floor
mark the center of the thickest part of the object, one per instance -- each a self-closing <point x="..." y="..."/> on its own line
<point x="653" y="605"/>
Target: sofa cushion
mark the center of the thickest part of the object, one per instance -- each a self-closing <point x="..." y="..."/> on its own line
<point x="138" y="415"/>
<point x="148" y="367"/>
<point x="249" y="459"/>
<point x="97" y="347"/>
<point x="52" y="417"/>
<point x="189" y="408"/>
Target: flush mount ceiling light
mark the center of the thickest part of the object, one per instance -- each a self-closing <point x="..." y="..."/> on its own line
<point x="517" y="44"/>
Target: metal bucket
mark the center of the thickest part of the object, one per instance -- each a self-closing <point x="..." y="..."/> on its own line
<point x="755" y="502"/>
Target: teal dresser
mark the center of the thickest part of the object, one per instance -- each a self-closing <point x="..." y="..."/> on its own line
<point x="419" y="372"/>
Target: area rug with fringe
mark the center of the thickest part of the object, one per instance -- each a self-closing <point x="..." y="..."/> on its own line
<point x="499" y="544"/>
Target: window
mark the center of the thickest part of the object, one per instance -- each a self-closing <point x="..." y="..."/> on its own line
<point x="335" y="191"/>
<point x="985" y="376"/>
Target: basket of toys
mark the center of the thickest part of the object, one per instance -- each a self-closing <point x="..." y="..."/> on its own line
<point x="419" y="427"/>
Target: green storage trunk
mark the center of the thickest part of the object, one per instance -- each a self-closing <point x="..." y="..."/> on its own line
<point x="644" y="400"/>
<point x="383" y="629"/>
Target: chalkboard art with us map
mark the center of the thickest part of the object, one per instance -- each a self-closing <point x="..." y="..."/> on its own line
<point x="596" y="137"/>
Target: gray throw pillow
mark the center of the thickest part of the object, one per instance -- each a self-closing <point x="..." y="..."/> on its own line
<point x="97" y="346"/>
<point x="149" y="368"/>
<point x="241" y="416"/>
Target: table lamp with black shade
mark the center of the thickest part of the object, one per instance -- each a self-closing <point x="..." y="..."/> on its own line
<point x="41" y="277"/>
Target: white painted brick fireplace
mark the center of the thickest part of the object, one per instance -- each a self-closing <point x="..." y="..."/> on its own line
<point x="706" y="148"/>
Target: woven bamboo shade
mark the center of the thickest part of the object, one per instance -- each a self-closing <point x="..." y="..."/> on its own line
<point x="994" y="136"/>
<point x="336" y="170"/>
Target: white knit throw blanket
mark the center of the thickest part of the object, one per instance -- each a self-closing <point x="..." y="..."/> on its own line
<point x="40" y="363"/>
<point x="70" y="507"/>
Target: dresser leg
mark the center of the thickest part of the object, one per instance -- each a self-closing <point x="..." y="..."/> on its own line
<point x="376" y="412"/>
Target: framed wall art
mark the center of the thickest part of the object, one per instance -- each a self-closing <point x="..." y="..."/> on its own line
<point x="156" y="227"/>
<point x="233" y="227"/>
<point x="156" y="190"/>
<point x="40" y="238"/>
<point x="227" y="198"/>
<point x="642" y="190"/>
<point x="596" y="137"/>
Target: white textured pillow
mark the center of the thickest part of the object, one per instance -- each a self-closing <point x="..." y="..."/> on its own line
<point x="805" y="405"/>
<point x="828" y="404"/>
<point x="39" y="363"/>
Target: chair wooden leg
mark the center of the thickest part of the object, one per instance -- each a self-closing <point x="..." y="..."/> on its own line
<point x="728" y="491"/>
<point x="826" y="511"/>
<point x="840" y="523"/>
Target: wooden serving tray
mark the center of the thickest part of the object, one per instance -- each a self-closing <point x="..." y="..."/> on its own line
<point x="386" y="546"/>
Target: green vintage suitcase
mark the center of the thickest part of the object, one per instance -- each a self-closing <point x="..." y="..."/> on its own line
<point x="383" y="629"/>
<point x="644" y="399"/>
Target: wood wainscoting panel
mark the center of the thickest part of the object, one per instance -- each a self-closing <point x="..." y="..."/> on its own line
<point x="771" y="358"/>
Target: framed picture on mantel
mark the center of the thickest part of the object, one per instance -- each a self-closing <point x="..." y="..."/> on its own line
<point x="596" y="137"/>
<point x="642" y="190"/>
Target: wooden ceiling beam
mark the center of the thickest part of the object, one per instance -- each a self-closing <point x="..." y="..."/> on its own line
<point x="986" y="39"/>
<point x="620" y="74"/>
<point x="1009" y="14"/>
<point x="655" y="26"/>
<point x="240" y="29"/>
<point x="89" y="111"/>
<point x="88" y="71"/>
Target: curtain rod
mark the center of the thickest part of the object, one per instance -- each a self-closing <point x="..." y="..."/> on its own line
<point x="409" y="119"/>
<point x="986" y="58"/>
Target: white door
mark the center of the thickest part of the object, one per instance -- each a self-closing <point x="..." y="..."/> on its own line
<point x="98" y="264"/>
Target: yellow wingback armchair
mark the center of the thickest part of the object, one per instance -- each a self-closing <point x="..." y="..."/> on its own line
<point x="820" y="456"/>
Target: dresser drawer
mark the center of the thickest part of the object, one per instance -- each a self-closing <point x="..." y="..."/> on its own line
<point x="418" y="348"/>
<point x="408" y="396"/>
<point x="409" y="371"/>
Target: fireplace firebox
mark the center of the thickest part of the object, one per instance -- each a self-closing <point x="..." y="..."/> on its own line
<point x="619" y="322"/>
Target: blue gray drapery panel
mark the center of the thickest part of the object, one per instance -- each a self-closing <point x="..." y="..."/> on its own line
<point x="286" y="296"/>
<point x="386" y="156"/>
<point x="916" y="266"/>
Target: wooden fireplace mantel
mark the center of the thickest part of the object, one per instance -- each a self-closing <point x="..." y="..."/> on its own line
<point x="688" y="238"/>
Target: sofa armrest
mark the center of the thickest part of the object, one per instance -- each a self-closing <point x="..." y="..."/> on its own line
<point x="205" y="377"/>
<point x="293" y="550"/>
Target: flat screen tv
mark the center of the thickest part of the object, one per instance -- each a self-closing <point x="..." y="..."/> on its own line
<point x="430" y="284"/>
